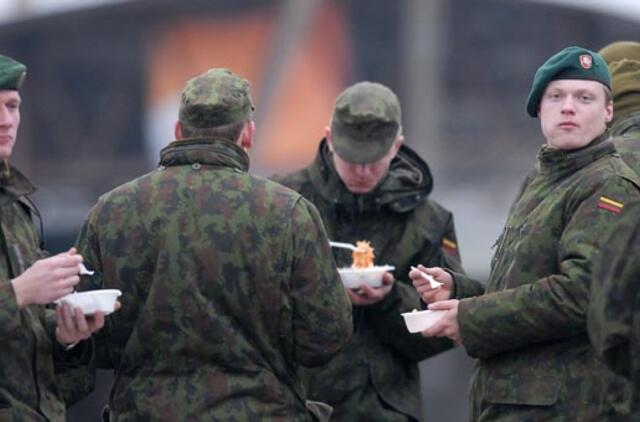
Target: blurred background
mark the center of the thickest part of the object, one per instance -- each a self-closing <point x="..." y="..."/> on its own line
<point x="104" y="79"/>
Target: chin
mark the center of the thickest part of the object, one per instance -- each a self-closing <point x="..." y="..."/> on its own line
<point x="359" y="189"/>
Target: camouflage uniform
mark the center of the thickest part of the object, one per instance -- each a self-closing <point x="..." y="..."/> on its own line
<point x="626" y="138"/>
<point x="614" y="322"/>
<point x="31" y="357"/>
<point x="528" y="330"/>
<point x="228" y="284"/>
<point x="613" y="317"/>
<point x="375" y="377"/>
<point x="30" y="354"/>
<point x="625" y="129"/>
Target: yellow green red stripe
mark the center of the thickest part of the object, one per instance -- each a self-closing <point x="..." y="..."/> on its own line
<point x="611" y="202"/>
<point x="449" y="244"/>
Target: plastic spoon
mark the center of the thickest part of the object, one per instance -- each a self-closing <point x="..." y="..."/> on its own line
<point x="432" y="281"/>
<point x="344" y="246"/>
<point x="84" y="271"/>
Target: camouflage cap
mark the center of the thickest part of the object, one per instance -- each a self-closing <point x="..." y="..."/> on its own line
<point x="619" y="50"/>
<point x="570" y="63"/>
<point x="12" y="73"/>
<point x="625" y="75"/>
<point x="214" y="98"/>
<point x="366" y="120"/>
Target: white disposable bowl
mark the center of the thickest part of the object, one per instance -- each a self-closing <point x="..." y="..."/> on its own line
<point x="418" y="321"/>
<point x="352" y="278"/>
<point x="92" y="301"/>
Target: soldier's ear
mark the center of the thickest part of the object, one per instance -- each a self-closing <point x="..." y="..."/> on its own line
<point x="609" y="112"/>
<point x="177" y="130"/>
<point x="246" y="136"/>
<point x="327" y="135"/>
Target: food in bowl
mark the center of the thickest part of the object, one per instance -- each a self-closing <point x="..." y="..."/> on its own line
<point x="362" y="255"/>
<point x="92" y="301"/>
<point x="352" y="278"/>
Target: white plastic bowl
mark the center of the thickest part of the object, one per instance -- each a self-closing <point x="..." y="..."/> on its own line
<point x="418" y="321"/>
<point x="92" y="301"/>
<point x="352" y="278"/>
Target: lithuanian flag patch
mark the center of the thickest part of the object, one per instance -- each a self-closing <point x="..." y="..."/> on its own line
<point x="610" y="205"/>
<point x="450" y="246"/>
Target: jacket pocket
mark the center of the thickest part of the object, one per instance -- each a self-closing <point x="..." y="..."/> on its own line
<point x="529" y="390"/>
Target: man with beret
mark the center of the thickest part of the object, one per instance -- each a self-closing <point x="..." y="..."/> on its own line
<point x="528" y="330"/>
<point x="614" y="321"/>
<point x="227" y="278"/>
<point x="34" y="339"/>
<point x="367" y="185"/>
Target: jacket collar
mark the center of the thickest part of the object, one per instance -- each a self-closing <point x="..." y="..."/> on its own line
<point x="407" y="184"/>
<point x="205" y="151"/>
<point x="628" y="124"/>
<point x="561" y="161"/>
<point x="13" y="182"/>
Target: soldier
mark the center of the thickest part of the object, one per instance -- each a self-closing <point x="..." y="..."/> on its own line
<point x="614" y="326"/>
<point x="528" y="329"/>
<point x="32" y="352"/>
<point x="623" y="58"/>
<point x="227" y="278"/>
<point x="367" y="185"/>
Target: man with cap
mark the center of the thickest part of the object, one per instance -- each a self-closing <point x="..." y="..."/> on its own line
<point x="528" y="330"/>
<point x="35" y="350"/>
<point x="623" y="58"/>
<point x="614" y="322"/>
<point x="367" y="185"/>
<point x="227" y="278"/>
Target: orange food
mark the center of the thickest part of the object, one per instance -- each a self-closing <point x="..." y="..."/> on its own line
<point x="363" y="256"/>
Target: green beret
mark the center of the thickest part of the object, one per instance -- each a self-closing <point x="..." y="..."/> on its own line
<point x="366" y="120"/>
<point x="12" y="73"/>
<point x="215" y="98"/>
<point x="619" y="50"/>
<point x="570" y="63"/>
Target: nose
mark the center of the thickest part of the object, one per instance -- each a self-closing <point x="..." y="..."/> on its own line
<point x="568" y="106"/>
<point x="362" y="170"/>
<point x="5" y="118"/>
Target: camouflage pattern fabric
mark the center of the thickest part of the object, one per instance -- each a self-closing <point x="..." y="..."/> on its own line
<point x="375" y="377"/>
<point x="613" y="325"/>
<point x="30" y="354"/>
<point x="529" y="329"/>
<point x="228" y="286"/>
<point x="626" y="138"/>
<point x="614" y="320"/>
<point x="214" y="98"/>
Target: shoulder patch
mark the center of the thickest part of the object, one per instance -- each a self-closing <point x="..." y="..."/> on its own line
<point x="450" y="246"/>
<point x="610" y="205"/>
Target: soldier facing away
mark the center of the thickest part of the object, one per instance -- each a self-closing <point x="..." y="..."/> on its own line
<point x="623" y="58"/>
<point x="614" y="321"/>
<point x="528" y="329"/>
<point x="35" y="340"/>
<point x="227" y="278"/>
<point x="367" y="185"/>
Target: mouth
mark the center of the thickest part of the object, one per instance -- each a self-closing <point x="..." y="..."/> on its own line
<point x="567" y="125"/>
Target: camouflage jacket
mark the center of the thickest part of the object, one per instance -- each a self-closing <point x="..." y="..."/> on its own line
<point x="614" y="319"/>
<point x="529" y="328"/>
<point x="614" y="327"/>
<point x="626" y="138"/>
<point x="228" y="285"/>
<point x="375" y="377"/>
<point x="30" y="356"/>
